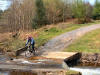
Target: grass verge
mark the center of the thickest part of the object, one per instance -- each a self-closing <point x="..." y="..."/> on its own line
<point x="70" y="72"/>
<point x="47" y="33"/>
<point x="88" y="43"/>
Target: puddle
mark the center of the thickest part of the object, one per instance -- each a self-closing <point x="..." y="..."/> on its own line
<point x="27" y="62"/>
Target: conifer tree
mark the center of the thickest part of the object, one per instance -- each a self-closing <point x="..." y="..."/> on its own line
<point x="96" y="10"/>
<point x="40" y="17"/>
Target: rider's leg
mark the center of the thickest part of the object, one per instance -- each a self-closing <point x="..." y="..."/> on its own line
<point x="33" y="49"/>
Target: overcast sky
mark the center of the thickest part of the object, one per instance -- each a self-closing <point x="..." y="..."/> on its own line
<point x="4" y="3"/>
<point x="91" y="1"/>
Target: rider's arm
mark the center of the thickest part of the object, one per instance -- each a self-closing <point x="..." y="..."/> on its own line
<point x="32" y="41"/>
<point x="27" y="42"/>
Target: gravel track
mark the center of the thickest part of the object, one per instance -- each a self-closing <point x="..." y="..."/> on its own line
<point x="64" y="40"/>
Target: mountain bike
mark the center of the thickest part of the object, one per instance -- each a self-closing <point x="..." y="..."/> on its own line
<point x="30" y="52"/>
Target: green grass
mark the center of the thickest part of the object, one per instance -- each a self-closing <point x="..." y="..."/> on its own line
<point x="70" y="72"/>
<point x="44" y="35"/>
<point x="88" y="43"/>
<point x="47" y="34"/>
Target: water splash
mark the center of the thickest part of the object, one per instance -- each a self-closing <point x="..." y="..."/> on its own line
<point x="87" y="70"/>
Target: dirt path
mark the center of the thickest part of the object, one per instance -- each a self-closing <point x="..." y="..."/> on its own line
<point x="64" y="40"/>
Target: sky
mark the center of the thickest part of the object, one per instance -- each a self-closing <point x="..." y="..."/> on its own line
<point x="5" y="3"/>
<point x="91" y="1"/>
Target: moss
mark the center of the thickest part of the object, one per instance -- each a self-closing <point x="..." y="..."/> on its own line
<point x="70" y="72"/>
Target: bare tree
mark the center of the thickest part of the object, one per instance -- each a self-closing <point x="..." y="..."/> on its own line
<point x="20" y="15"/>
<point x="57" y="10"/>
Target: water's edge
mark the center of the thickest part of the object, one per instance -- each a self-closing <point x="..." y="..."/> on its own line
<point x="87" y="70"/>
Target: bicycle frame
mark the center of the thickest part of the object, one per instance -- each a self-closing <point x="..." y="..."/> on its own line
<point x="29" y="52"/>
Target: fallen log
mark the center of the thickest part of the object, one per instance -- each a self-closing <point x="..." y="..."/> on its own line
<point x="20" y="51"/>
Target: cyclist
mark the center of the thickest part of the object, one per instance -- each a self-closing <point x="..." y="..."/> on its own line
<point x="31" y="42"/>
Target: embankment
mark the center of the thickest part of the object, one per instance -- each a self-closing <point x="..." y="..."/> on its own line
<point x="84" y="59"/>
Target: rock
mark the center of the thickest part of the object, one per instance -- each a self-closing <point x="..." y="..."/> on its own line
<point x="90" y="59"/>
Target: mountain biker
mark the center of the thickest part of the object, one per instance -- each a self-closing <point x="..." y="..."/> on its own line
<point x="31" y="42"/>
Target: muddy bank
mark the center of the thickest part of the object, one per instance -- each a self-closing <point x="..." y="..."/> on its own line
<point x="45" y="73"/>
<point x="33" y="73"/>
<point x="16" y="73"/>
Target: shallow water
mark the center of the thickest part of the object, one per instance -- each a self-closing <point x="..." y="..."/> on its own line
<point x="87" y="70"/>
<point x="4" y="73"/>
<point x="43" y="63"/>
<point x="23" y="64"/>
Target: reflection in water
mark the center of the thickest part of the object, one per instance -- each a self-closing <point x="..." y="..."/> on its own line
<point x="4" y="73"/>
<point x="17" y="73"/>
<point x="87" y="70"/>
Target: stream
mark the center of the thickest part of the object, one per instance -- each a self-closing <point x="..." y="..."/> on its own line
<point x="87" y="70"/>
<point x="26" y="65"/>
<point x="83" y="70"/>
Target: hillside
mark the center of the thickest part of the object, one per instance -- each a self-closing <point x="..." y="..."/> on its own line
<point x="41" y="35"/>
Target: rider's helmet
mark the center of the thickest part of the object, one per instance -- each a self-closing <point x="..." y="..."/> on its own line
<point x="29" y="37"/>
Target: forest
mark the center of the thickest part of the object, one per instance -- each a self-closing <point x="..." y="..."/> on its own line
<point x="26" y="15"/>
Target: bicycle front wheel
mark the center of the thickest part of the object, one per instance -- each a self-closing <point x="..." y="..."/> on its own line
<point x="28" y="54"/>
